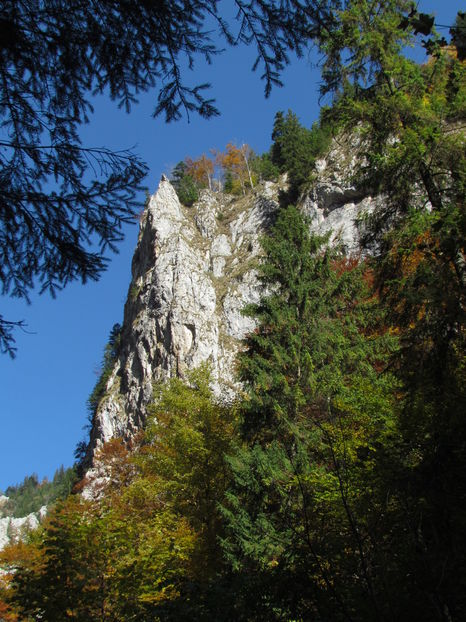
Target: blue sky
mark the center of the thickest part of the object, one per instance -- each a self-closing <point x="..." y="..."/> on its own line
<point x="44" y="390"/>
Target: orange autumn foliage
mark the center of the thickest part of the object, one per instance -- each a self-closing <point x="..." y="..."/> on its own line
<point x="236" y="160"/>
<point x="201" y="170"/>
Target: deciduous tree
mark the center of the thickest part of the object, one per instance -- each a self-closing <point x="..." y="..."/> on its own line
<point x="201" y="170"/>
<point x="235" y="161"/>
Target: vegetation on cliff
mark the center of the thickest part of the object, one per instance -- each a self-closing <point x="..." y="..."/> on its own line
<point x="236" y="170"/>
<point x="32" y="494"/>
<point x="334" y="489"/>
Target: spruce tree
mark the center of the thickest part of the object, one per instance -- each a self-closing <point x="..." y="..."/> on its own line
<point x="295" y="149"/>
<point x="315" y="413"/>
<point x="184" y="184"/>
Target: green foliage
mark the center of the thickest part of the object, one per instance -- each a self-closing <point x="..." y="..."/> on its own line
<point x="295" y="149"/>
<point x="148" y="548"/>
<point x="363" y="36"/>
<point x="184" y="184"/>
<point x="111" y="352"/>
<point x="229" y="185"/>
<point x="342" y="496"/>
<point x="410" y="122"/>
<point x="311" y="315"/>
<point x="31" y="495"/>
<point x="315" y="405"/>
<point x="183" y="470"/>
<point x="113" y="559"/>
<point x="188" y="438"/>
<point x="263" y="167"/>
<point x="232" y="185"/>
<point x="110" y="356"/>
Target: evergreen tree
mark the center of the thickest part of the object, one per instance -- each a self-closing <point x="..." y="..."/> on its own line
<point x="110" y="356"/>
<point x="184" y="184"/>
<point x="278" y="130"/>
<point x="31" y="494"/>
<point x="295" y="149"/>
<point x="315" y="405"/>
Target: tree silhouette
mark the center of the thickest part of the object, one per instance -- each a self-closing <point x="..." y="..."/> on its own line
<point x="57" y="195"/>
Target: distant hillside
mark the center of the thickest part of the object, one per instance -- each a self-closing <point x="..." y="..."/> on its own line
<point x="31" y="495"/>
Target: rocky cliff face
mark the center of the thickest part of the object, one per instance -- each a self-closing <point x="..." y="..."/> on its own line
<point x="14" y="529"/>
<point x="193" y="271"/>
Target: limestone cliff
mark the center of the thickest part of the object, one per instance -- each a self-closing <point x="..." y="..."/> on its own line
<point x="13" y="529"/>
<point x="192" y="273"/>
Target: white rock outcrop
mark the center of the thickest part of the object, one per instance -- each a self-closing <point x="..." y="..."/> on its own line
<point x="13" y="529"/>
<point x="193" y="271"/>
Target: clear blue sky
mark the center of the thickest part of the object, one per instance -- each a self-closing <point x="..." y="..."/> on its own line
<point x="44" y="390"/>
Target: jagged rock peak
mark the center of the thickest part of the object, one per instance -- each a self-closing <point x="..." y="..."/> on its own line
<point x="193" y="271"/>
